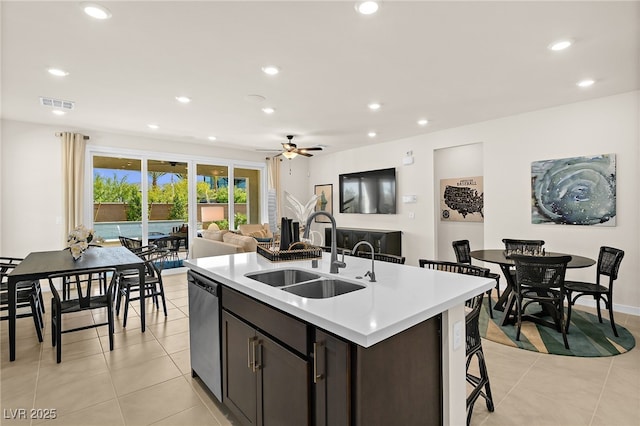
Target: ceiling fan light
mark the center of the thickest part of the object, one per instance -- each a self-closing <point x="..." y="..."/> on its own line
<point x="289" y="155"/>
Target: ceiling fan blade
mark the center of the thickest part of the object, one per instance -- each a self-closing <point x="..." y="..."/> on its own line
<point x="313" y="148"/>
<point x="289" y="146"/>
<point x="303" y="153"/>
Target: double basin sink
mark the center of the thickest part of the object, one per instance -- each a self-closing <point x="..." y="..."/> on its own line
<point x="304" y="283"/>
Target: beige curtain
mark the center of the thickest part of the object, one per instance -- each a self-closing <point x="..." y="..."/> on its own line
<point x="274" y="203"/>
<point x="73" y="151"/>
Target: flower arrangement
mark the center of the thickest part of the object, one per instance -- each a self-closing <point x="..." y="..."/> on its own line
<point x="78" y="241"/>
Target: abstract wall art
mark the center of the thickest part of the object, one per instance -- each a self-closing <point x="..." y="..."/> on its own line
<point x="462" y="199"/>
<point x="574" y="191"/>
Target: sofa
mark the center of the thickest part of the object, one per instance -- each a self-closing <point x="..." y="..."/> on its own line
<point x="216" y="242"/>
<point x="260" y="232"/>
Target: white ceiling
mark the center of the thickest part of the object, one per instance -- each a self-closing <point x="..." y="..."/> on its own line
<point x="453" y="63"/>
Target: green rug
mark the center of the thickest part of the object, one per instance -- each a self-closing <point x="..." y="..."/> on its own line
<point x="587" y="337"/>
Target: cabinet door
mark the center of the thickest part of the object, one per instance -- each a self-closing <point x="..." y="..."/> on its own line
<point x="283" y="385"/>
<point x="239" y="380"/>
<point x="331" y="376"/>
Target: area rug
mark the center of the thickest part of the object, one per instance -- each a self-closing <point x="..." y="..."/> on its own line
<point x="587" y="337"/>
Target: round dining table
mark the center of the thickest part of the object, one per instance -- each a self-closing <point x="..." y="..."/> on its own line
<point x="499" y="257"/>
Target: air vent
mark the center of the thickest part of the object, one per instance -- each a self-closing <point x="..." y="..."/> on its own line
<point x="56" y="103"/>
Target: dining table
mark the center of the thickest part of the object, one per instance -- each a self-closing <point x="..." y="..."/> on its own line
<point x="39" y="265"/>
<point x="500" y="257"/>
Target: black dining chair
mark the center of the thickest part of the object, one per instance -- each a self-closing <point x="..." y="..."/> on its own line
<point x="128" y="283"/>
<point x="383" y="257"/>
<point x="540" y="279"/>
<point x="462" y="250"/>
<point x="609" y="261"/>
<point x="480" y="383"/>
<point x="525" y="247"/>
<point x="28" y="296"/>
<point x="82" y="297"/>
<point x="132" y="244"/>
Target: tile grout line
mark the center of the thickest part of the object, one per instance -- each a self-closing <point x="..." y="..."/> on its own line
<point x="606" y="379"/>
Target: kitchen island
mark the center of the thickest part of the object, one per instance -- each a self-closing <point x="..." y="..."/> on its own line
<point x="392" y="351"/>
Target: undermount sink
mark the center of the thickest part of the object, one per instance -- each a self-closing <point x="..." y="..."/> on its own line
<point x="283" y="277"/>
<point x="323" y="288"/>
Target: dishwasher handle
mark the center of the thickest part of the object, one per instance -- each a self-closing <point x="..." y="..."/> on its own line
<point x="205" y="284"/>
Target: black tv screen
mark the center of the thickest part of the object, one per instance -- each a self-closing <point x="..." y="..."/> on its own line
<point x="371" y="192"/>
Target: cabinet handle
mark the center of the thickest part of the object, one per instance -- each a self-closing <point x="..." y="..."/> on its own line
<point x="255" y="344"/>
<point x="316" y="376"/>
<point x="249" y="363"/>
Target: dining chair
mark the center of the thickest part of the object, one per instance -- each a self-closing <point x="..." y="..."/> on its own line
<point x="383" y="257"/>
<point x="462" y="250"/>
<point x="522" y="246"/>
<point x="480" y="383"/>
<point x="28" y="295"/>
<point x="132" y="244"/>
<point x="128" y="283"/>
<point x="609" y="260"/>
<point x="82" y="298"/>
<point x="540" y="279"/>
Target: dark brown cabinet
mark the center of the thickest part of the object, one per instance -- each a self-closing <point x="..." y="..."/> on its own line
<point x="280" y="370"/>
<point x="383" y="241"/>
<point x="331" y="376"/>
<point x="264" y="383"/>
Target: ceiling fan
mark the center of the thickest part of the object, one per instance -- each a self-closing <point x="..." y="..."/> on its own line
<point x="291" y="150"/>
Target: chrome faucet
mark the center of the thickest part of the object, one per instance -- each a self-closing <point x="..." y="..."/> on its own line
<point x="371" y="274"/>
<point x="335" y="263"/>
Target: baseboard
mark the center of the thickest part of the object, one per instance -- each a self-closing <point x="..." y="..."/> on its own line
<point x="625" y="309"/>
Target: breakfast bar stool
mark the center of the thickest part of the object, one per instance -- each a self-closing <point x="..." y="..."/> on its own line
<point x="462" y="250"/>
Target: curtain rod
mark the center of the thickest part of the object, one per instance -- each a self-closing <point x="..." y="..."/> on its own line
<point x="86" y="138"/>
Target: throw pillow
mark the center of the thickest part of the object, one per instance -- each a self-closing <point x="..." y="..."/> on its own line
<point x="258" y="234"/>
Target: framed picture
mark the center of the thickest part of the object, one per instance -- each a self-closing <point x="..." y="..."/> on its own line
<point x="574" y="191"/>
<point x="325" y="201"/>
<point x="462" y="199"/>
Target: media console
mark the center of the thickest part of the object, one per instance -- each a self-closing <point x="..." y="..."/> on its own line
<point x="383" y="241"/>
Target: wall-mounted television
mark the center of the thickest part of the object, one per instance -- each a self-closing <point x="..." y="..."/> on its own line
<point x="370" y="192"/>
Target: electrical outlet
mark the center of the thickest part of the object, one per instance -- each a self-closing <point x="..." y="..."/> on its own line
<point x="457" y="335"/>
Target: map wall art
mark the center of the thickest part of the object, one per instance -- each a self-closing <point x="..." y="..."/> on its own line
<point x="462" y="199"/>
<point x="574" y="191"/>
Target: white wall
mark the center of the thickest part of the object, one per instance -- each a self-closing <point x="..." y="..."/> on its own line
<point x="31" y="183"/>
<point x="510" y="144"/>
<point x="448" y="163"/>
<point x="32" y="196"/>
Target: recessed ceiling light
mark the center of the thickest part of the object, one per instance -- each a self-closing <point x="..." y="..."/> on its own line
<point x="374" y="106"/>
<point x="183" y="99"/>
<point x="560" y="45"/>
<point x="212" y="138"/>
<point x="367" y="7"/>
<point x="270" y="69"/>
<point x="58" y="112"/>
<point x="372" y="134"/>
<point x="57" y="72"/>
<point x="153" y="126"/>
<point x="585" y="83"/>
<point x="96" y="11"/>
<point x="423" y="122"/>
<point x="268" y="110"/>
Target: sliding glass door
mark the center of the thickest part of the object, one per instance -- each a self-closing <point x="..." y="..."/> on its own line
<point x="117" y="198"/>
<point x="180" y="197"/>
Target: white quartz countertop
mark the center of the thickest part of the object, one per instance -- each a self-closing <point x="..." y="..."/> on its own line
<point x="402" y="297"/>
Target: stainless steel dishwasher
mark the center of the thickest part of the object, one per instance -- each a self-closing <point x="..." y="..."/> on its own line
<point x="204" y="331"/>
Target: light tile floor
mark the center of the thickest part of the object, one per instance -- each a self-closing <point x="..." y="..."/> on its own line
<point x="146" y="379"/>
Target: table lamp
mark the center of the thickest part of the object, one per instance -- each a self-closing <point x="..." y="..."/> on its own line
<point x="211" y="214"/>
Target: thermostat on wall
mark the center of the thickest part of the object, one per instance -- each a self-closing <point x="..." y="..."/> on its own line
<point x="409" y="199"/>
